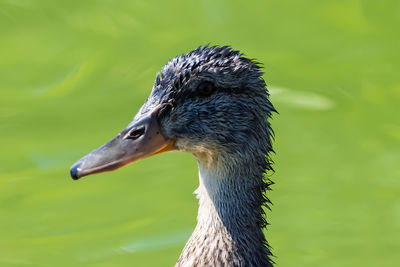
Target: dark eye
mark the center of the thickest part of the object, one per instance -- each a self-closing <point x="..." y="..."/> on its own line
<point x="205" y="89"/>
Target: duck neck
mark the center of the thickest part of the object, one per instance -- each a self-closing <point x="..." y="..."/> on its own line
<point x="230" y="216"/>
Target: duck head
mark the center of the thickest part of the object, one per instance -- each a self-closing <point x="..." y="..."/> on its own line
<point x="210" y="101"/>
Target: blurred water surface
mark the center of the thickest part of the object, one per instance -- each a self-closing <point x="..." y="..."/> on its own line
<point x="73" y="74"/>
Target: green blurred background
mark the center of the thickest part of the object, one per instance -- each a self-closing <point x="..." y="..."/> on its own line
<point x="73" y="74"/>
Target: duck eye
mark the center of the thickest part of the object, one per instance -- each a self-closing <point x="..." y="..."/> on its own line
<point x="205" y="89"/>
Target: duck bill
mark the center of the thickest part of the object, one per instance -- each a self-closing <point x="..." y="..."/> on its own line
<point x="140" y="139"/>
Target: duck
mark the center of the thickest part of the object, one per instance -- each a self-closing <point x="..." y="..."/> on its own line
<point x="213" y="103"/>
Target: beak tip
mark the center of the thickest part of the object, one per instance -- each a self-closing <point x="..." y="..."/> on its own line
<point x="74" y="171"/>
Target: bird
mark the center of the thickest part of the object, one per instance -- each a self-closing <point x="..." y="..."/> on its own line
<point x="213" y="103"/>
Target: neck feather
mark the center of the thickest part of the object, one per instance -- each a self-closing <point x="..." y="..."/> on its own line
<point x="230" y="217"/>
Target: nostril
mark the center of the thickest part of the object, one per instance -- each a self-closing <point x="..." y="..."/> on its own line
<point x="135" y="134"/>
